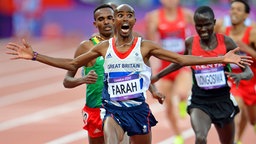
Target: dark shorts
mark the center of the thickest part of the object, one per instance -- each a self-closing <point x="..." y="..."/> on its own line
<point x="221" y="110"/>
<point x="136" y="120"/>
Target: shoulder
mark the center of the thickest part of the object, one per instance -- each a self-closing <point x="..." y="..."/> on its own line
<point x="189" y="42"/>
<point x="152" y="15"/>
<point x="229" y="42"/>
<point x="253" y="31"/>
<point x="189" y="39"/>
<point x="153" y="12"/>
<point x="149" y="45"/>
<point x="188" y="14"/>
<point x="83" y="47"/>
<point x="253" y="34"/>
<point x="219" y="26"/>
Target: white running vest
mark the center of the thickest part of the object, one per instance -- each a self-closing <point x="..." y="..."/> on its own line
<point x="128" y="77"/>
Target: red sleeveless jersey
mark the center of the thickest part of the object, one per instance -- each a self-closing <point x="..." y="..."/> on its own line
<point x="245" y="40"/>
<point x="246" y="88"/>
<point x="210" y="79"/>
<point x="172" y="35"/>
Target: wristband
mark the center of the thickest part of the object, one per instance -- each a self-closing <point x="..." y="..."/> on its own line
<point x="34" y="55"/>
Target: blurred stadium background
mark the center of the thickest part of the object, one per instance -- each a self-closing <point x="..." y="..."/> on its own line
<point x="58" y="18"/>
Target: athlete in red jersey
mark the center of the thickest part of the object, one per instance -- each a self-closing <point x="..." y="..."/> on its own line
<point x="245" y="92"/>
<point x="169" y="25"/>
<point x="211" y="101"/>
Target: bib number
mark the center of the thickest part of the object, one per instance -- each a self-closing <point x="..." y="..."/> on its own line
<point x="173" y="44"/>
<point x="210" y="78"/>
<point x="124" y="88"/>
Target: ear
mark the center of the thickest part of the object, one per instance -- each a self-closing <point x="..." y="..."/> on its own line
<point x="214" y="21"/>
<point x="94" y="23"/>
<point x="246" y="16"/>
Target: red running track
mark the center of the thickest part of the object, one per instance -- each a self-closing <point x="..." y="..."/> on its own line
<point x="35" y="108"/>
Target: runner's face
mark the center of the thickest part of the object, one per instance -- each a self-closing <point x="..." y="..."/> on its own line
<point x="237" y="13"/>
<point x="124" y="20"/>
<point x="204" y="24"/>
<point x="104" y="20"/>
<point x="170" y="3"/>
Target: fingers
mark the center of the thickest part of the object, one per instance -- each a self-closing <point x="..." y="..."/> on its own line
<point x="12" y="46"/>
<point x="245" y="57"/>
<point x="236" y="49"/>
<point x="11" y="53"/>
<point x="160" y="97"/>
<point x="244" y="60"/>
<point x="25" y="43"/>
<point x="241" y="65"/>
<point x="91" y="77"/>
<point x="161" y="100"/>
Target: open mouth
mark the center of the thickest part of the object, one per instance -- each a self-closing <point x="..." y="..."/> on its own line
<point x="204" y="35"/>
<point x="107" y="28"/>
<point x="233" y="18"/>
<point x="125" y="28"/>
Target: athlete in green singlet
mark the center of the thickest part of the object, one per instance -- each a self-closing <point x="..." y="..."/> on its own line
<point x="92" y="74"/>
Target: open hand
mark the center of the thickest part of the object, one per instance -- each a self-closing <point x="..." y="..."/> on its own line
<point x="240" y="60"/>
<point x="235" y="77"/>
<point x="20" y="51"/>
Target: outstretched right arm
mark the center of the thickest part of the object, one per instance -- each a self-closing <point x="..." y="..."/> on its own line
<point x="25" y="51"/>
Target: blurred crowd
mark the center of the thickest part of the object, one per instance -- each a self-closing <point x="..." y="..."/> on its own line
<point x="19" y="18"/>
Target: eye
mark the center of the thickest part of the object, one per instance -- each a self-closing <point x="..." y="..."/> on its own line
<point x="110" y="17"/>
<point x="129" y="15"/>
<point x="100" y="19"/>
<point x="120" y="15"/>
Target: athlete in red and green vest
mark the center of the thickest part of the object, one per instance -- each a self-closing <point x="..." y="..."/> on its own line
<point x="92" y="74"/>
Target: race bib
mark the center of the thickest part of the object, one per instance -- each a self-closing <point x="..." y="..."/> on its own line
<point x="173" y="44"/>
<point x="124" y="88"/>
<point x="210" y="78"/>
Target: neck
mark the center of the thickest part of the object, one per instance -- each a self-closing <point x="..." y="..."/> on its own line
<point x="238" y="28"/>
<point x="124" y="41"/>
<point x="171" y="11"/>
<point x="103" y="37"/>
<point x="209" y="42"/>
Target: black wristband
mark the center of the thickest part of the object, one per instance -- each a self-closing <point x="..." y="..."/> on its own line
<point x="34" y="55"/>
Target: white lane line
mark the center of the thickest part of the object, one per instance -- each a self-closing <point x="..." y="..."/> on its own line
<point x="31" y="94"/>
<point x="42" y="115"/>
<point x="155" y="108"/>
<point x="28" y="76"/>
<point x="70" y="138"/>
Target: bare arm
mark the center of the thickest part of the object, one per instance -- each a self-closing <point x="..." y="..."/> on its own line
<point x="187" y="60"/>
<point x="246" y="73"/>
<point x="151" y="25"/>
<point x="218" y="28"/>
<point x="25" y="51"/>
<point x="171" y="68"/>
<point x="70" y="81"/>
<point x="154" y="92"/>
<point x="251" y="48"/>
<point x="156" y="95"/>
